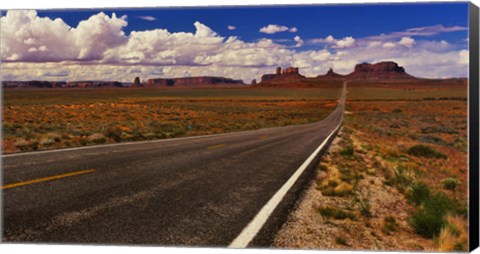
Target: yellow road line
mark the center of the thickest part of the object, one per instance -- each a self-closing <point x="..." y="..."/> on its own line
<point x="44" y="179"/>
<point x="215" y="146"/>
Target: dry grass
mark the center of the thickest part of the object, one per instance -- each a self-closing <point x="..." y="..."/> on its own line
<point x="454" y="237"/>
<point x="40" y="119"/>
<point x="403" y="153"/>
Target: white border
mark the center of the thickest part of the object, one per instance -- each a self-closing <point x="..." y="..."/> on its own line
<point x="59" y="4"/>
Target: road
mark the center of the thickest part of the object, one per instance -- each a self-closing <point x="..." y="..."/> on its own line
<point x="196" y="191"/>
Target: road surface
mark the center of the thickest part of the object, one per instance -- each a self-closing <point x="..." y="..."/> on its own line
<point x="197" y="191"/>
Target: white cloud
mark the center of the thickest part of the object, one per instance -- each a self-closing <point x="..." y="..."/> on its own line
<point x="346" y="42"/>
<point x="389" y="45"/>
<point x="373" y="44"/>
<point x="407" y="42"/>
<point x="464" y="57"/>
<point x="98" y="49"/>
<point x="418" y="31"/>
<point x="147" y="18"/>
<point x="97" y="34"/>
<point x="298" y="40"/>
<point x="271" y="29"/>
<point x="230" y="27"/>
<point x="27" y="37"/>
<point x="330" y="39"/>
<point x="293" y="29"/>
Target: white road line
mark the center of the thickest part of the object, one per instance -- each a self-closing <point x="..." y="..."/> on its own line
<point x="251" y="230"/>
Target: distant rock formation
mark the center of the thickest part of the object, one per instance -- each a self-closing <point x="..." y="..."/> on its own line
<point x="136" y="81"/>
<point x="192" y="81"/>
<point x="61" y="84"/>
<point x="331" y="75"/>
<point x="189" y="81"/>
<point x="33" y="84"/>
<point x="288" y="73"/>
<point x="381" y="70"/>
<point x="254" y="82"/>
<point x="267" y="77"/>
<point x="278" y="71"/>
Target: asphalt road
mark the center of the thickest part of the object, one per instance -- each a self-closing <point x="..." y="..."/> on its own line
<point x="198" y="191"/>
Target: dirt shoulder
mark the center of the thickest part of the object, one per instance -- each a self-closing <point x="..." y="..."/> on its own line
<point x="354" y="216"/>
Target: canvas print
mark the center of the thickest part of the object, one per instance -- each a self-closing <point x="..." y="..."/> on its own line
<point x="328" y="127"/>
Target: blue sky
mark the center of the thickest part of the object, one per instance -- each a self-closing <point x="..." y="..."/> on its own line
<point x="312" y="21"/>
<point x="430" y="40"/>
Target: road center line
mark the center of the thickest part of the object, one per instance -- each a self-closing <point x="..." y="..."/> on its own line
<point x="215" y="146"/>
<point x="49" y="178"/>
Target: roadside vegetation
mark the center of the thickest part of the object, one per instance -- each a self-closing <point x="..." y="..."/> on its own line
<point x="395" y="178"/>
<point x="58" y="118"/>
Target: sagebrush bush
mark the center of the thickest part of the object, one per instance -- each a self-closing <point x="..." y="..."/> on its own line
<point x="419" y="193"/>
<point x="113" y="132"/>
<point x="450" y="183"/>
<point x="429" y="218"/>
<point x="401" y="177"/>
<point x="341" y="241"/>
<point x="343" y="189"/>
<point x="348" y="151"/>
<point x="96" y="138"/>
<point x="389" y="225"/>
<point x="336" y="213"/>
<point x="425" y="151"/>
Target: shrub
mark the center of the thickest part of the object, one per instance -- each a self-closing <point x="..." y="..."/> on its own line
<point x="389" y="224"/>
<point x="432" y="140"/>
<point x="450" y="183"/>
<point x="402" y="177"/>
<point x="341" y="241"/>
<point x="365" y="208"/>
<point x="96" y="138"/>
<point x="114" y="132"/>
<point x="22" y="144"/>
<point x="46" y="141"/>
<point x="336" y="213"/>
<point x="323" y="167"/>
<point x="420" y="193"/>
<point x="425" y="151"/>
<point x="343" y="189"/>
<point x="429" y="219"/>
<point x="348" y="151"/>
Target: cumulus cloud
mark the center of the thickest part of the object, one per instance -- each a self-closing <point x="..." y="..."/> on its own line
<point x="298" y="40"/>
<point x="271" y="29"/>
<point x="97" y="34"/>
<point x="388" y="45"/>
<point x="293" y="29"/>
<point x="30" y="38"/>
<point x="230" y="27"/>
<point x="346" y="42"/>
<point x="330" y="39"/>
<point x="407" y="42"/>
<point x="98" y="49"/>
<point x="147" y="18"/>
